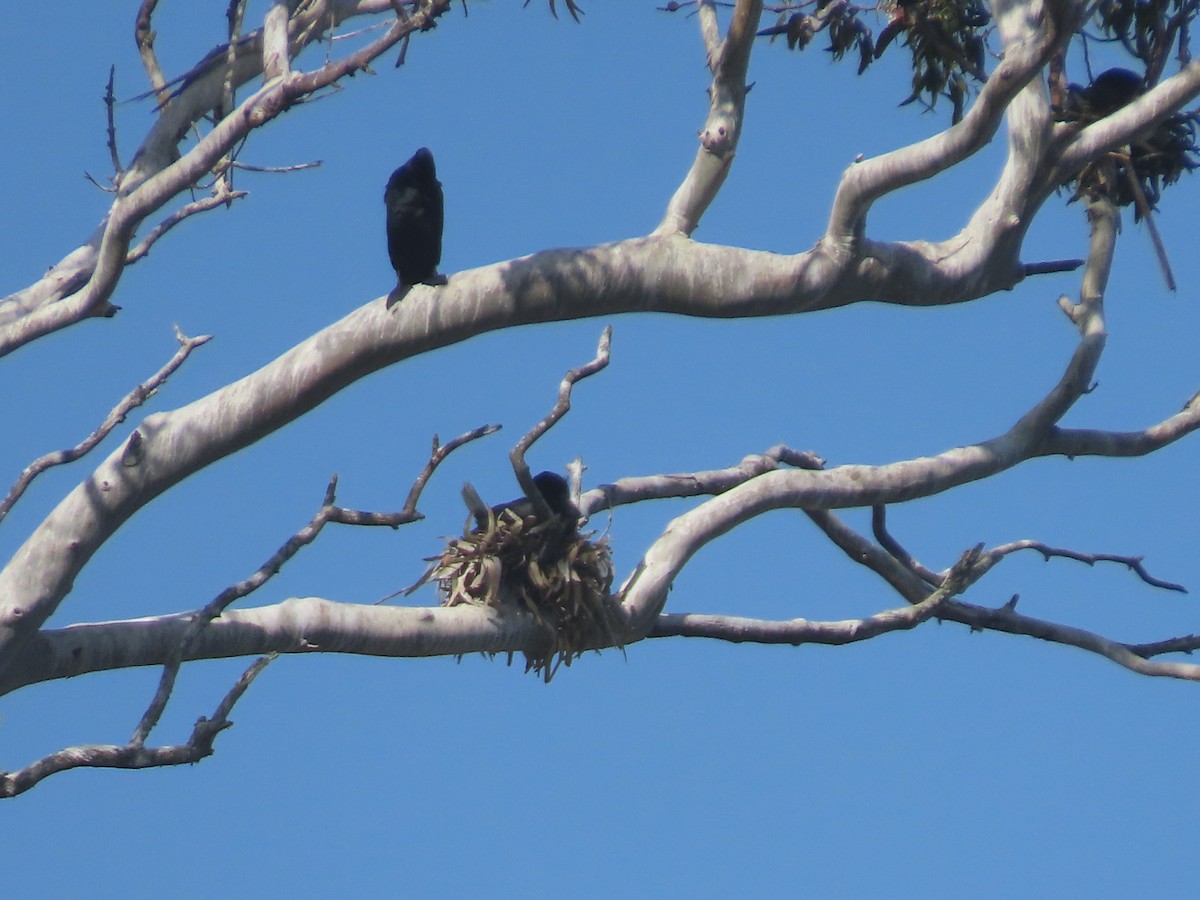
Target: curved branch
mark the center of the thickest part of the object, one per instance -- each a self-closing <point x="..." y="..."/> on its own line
<point x="561" y="407"/>
<point x="740" y="630"/>
<point x="1027" y="49"/>
<point x="549" y="286"/>
<point x="729" y="61"/>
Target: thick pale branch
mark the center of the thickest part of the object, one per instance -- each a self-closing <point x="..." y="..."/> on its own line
<point x="298" y="625"/>
<point x="1074" y="442"/>
<point x="729" y="60"/>
<point x="276" y="63"/>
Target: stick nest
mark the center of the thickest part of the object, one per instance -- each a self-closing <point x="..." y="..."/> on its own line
<point x="547" y="567"/>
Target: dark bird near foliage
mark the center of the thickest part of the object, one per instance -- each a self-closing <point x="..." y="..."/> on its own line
<point x="557" y="494"/>
<point x="414" y="223"/>
<point x="1112" y="89"/>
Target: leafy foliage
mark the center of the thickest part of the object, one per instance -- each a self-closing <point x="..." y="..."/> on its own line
<point x="947" y="40"/>
<point x="1133" y="175"/>
<point x="1149" y="30"/>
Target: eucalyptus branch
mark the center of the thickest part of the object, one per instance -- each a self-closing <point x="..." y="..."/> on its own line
<point x="729" y="60"/>
<point x="636" y="489"/>
<point x="116" y="416"/>
<point x="866" y="181"/>
<point x="145" y="37"/>
<point x="561" y="407"/>
<point x="223" y="197"/>
<point x="1133" y="563"/>
<point x="896" y="550"/>
<point x="136" y="756"/>
<point x="408" y="513"/>
<point x="200" y="619"/>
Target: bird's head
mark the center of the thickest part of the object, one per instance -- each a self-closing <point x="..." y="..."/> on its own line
<point x="557" y="493"/>
<point x="422" y="163"/>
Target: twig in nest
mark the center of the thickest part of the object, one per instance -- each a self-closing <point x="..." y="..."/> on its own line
<point x="561" y="407"/>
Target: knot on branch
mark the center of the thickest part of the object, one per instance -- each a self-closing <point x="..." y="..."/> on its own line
<point x="717" y="139"/>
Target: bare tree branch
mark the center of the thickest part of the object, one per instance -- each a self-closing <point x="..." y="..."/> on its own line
<point x="560" y="409"/>
<point x="135" y="756"/>
<point x="109" y="103"/>
<point x="1133" y="563"/>
<point x="223" y="197"/>
<point x="729" y="60"/>
<point x="145" y="37"/>
<point x="896" y="550"/>
<point x="736" y="629"/>
<point x="1026" y="51"/>
<point x="133" y="399"/>
<point x="409" y="511"/>
<point x="276" y="63"/>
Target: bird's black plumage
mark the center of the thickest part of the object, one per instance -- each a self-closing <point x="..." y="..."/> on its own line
<point x="414" y="220"/>
<point x="1112" y="89"/>
<point x="554" y="489"/>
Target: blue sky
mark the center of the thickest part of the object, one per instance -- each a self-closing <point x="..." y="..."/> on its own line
<point x="934" y="763"/>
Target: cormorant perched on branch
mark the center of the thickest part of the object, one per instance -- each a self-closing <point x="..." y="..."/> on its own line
<point x="414" y="222"/>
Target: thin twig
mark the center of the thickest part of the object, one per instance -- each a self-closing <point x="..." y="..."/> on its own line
<point x="198" y="206"/>
<point x="276" y="170"/>
<point x="131" y="756"/>
<point x="109" y="102"/>
<point x="1133" y="563"/>
<point x="563" y="404"/>
<point x="737" y="629"/>
<point x="1143" y="205"/>
<point x="409" y="512"/>
<point x="133" y="399"/>
<point x="145" y="35"/>
<point x="329" y="512"/>
<point x="897" y="551"/>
